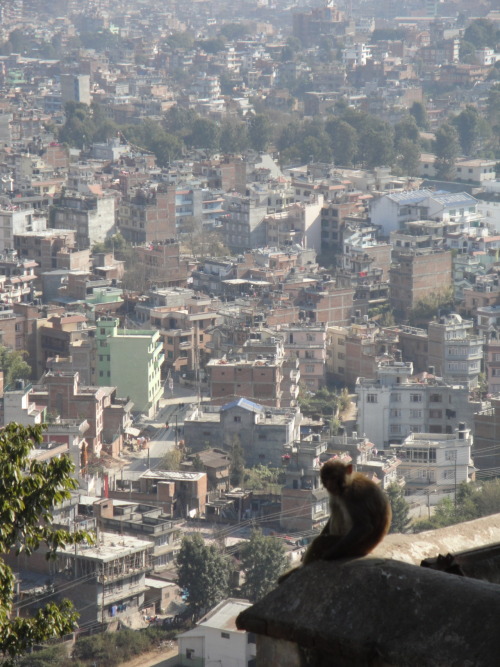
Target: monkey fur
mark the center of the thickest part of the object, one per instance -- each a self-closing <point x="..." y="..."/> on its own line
<point x="360" y="516"/>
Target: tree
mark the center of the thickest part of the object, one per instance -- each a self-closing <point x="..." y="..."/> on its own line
<point x="202" y="573"/>
<point x="429" y="306"/>
<point x="400" y="509"/>
<point x="233" y="137"/>
<point x="263" y="559"/>
<point x="28" y="491"/>
<point x="446" y="147"/>
<point x="468" y="124"/>
<point x="171" y="460"/>
<point x="259" y="132"/>
<point x="376" y="147"/>
<point x="13" y="365"/>
<point x="205" y="133"/>
<point x="237" y="466"/>
<point x="344" y="141"/>
<point x="419" y="113"/>
<point x="481" y="33"/>
<point x="408" y="157"/>
<point x="407" y="128"/>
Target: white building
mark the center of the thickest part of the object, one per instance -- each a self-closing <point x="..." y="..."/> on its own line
<point x="392" y="211"/>
<point x="14" y="220"/>
<point x="394" y="404"/>
<point x="217" y="641"/>
<point x="440" y="461"/>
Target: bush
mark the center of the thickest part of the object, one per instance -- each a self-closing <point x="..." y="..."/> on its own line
<point x="112" y="649"/>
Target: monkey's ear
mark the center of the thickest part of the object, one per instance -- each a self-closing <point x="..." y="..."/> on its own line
<point x="348" y="469"/>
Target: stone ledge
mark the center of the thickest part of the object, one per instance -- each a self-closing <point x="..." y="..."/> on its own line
<point x="373" y="611"/>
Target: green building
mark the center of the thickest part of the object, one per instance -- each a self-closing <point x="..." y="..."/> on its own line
<point x="130" y="360"/>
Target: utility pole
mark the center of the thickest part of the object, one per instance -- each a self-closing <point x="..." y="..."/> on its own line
<point x="176" y="431"/>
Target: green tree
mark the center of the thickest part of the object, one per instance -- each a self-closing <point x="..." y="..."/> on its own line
<point x="202" y="573"/>
<point x="29" y="489"/>
<point x="259" y="132"/>
<point x="344" y="141"/>
<point x="407" y="128"/>
<point x="263" y="559"/>
<point x="13" y="365"/>
<point x="400" y="509"/>
<point x="468" y="126"/>
<point x="237" y="466"/>
<point x="446" y="148"/>
<point x="482" y="32"/>
<point x="376" y="147"/>
<point x="419" y="113"/>
<point x="205" y="133"/>
<point x="233" y="137"/>
<point x="408" y="157"/>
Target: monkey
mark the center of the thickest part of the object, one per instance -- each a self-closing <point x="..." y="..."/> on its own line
<point x="360" y="516"/>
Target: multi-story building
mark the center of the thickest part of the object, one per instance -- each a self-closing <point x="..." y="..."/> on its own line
<point x="265" y="434"/>
<point x="92" y="217"/>
<point x="162" y="263"/>
<point x="15" y="220"/>
<point x="56" y="336"/>
<point x="75" y="88"/>
<point x="394" y="404"/>
<point x="131" y="361"/>
<point x="17" y="278"/>
<point x="148" y="215"/>
<point x="304" y="501"/>
<point x="271" y="380"/>
<point x="417" y="275"/>
<point x="438" y="461"/>
<point x="52" y="249"/>
<point x="454" y="351"/>
<point x="307" y="343"/>
<point x="243" y="222"/>
<point x="145" y="522"/>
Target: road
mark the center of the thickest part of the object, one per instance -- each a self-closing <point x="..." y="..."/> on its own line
<point x="170" y="409"/>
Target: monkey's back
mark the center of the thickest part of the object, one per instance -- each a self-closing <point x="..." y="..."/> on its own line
<point x="370" y="507"/>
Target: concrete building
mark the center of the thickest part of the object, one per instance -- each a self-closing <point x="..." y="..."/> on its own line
<point x="438" y="461"/>
<point x="243" y="223"/>
<point x="264" y="433"/>
<point x="131" y="361"/>
<point x="179" y="494"/>
<point x="216" y="639"/>
<point x="52" y="249"/>
<point x="14" y="220"/>
<point x="454" y="351"/>
<point x="392" y="211"/>
<point x="394" y="404"/>
<point x="145" y="522"/>
<point x="304" y="501"/>
<point x="307" y="343"/>
<point x="163" y="264"/>
<point x="75" y="88"/>
<point x="92" y="217"/>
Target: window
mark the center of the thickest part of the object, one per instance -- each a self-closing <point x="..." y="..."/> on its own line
<point x="371" y="398"/>
<point x="436" y="398"/>
<point x="341" y="369"/>
<point x="395" y="412"/>
<point x="395" y="398"/>
<point x="415" y="428"/>
<point x="340" y="355"/>
<point x="190" y="654"/>
<point x="395" y="428"/>
<point x="310" y="369"/>
<point x="237" y="418"/>
<point x="435" y="414"/>
<point x="415" y="414"/>
<point x="451" y="455"/>
<point x="224" y="635"/>
<point x="415" y="398"/>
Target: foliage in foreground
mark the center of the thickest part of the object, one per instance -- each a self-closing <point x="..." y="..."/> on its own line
<point x="263" y="559"/>
<point x="108" y="649"/>
<point x="202" y="573"/>
<point x="473" y="502"/>
<point x="28" y="491"/>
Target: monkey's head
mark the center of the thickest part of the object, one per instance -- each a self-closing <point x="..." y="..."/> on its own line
<point x="333" y="476"/>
